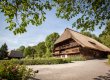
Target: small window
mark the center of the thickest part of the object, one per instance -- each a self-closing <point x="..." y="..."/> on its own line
<point x="92" y="42"/>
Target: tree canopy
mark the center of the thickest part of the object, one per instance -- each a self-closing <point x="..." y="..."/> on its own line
<point x="49" y="42"/>
<point x="21" y="49"/>
<point x="40" y="49"/>
<point x="105" y="35"/>
<point x="28" y="51"/>
<point x="3" y="51"/>
<point x="20" y="13"/>
<point x="93" y="12"/>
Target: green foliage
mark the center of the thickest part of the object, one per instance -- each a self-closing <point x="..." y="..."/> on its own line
<point x="10" y="71"/>
<point x="49" y="43"/>
<point x="36" y="61"/>
<point x="40" y="49"/>
<point x="105" y="36"/>
<point x="29" y="51"/>
<point x="109" y="59"/>
<point x="92" y="12"/>
<point x="21" y="49"/>
<point x="3" y="51"/>
<point x="20" y="13"/>
<point x="48" y="52"/>
<point x="43" y="61"/>
<point x="105" y="39"/>
<point x="76" y="58"/>
<point x="40" y="61"/>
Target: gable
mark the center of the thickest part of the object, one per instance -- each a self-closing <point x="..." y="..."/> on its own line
<point x="66" y="35"/>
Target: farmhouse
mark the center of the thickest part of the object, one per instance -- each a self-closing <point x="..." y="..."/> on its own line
<point x="15" y="54"/>
<point x="72" y="43"/>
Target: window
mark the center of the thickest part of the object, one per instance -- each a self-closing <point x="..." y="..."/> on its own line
<point x="92" y="42"/>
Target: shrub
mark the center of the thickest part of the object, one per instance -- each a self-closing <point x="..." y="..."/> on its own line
<point x="76" y="58"/>
<point x="40" y="61"/>
<point x="10" y="71"/>
<point x="109" y="59"/>
<point x="37" y="61"/>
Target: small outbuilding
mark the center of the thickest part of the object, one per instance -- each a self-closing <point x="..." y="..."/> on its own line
<point x="72" y="43"/>
<point x="15" y="54"/>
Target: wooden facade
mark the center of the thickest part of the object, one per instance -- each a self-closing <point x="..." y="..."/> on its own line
<point x="69" y="47"/>
<point x="66" y="48"/>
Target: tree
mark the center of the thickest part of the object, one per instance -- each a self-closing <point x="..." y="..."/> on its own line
<point x="29" y="51"/>
<point x="21" y="49"/>
<point x="4" y="51"/>
<point x="105" y="39"/>
<point x="40" y="49"/>
<point x="20" y="13"/>
<point x="93" y="12"/>
<point x="105" y="35"/>
<point x="49" y="43"/>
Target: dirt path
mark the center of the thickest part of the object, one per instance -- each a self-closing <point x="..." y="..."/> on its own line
<point x="80" y="70"/>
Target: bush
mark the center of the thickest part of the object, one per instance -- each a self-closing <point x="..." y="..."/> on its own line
<point x="37" y="61"/>
<point x="76" y="58"/>
<point x="10" y="71"/>
<point x="109" y="59"/>
<point x="40" y="61"/>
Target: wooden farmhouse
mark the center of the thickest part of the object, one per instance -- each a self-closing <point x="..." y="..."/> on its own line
<point x="72" y="43"/>
<point x="15" y="54"/>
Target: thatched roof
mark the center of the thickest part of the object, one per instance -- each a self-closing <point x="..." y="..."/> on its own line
<point x="15" y="54"/>
<point x="83" y="40"/>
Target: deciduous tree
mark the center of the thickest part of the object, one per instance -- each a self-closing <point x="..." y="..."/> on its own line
<point x="29" y="51"/>
<point x="21" y="49"/>
<point x="40" y="49"/>
<point x="20" y="13"/>
<point x="49" y="43"/>
<point x="105" y="35"/>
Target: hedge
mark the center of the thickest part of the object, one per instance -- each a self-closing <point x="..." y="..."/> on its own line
<point x="38" y="61"/>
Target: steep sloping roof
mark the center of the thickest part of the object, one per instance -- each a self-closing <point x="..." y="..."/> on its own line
<point x="15" y="54"/>
<point x="83" y="40"/>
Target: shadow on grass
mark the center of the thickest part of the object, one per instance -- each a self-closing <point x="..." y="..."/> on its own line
<point x="101" y="77"/>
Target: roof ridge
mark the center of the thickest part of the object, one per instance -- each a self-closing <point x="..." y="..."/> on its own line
<point x="80" y="33"/>
<point x="73" y="30"/>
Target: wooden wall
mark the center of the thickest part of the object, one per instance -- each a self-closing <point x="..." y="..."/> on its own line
<point x="92" y="53"/>
<point x="70" y="48"/>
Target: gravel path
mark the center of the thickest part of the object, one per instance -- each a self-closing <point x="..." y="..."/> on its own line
<point x="80" y="70"/>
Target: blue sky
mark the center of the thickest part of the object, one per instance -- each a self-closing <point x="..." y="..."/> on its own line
<point x="34" y="34"/>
